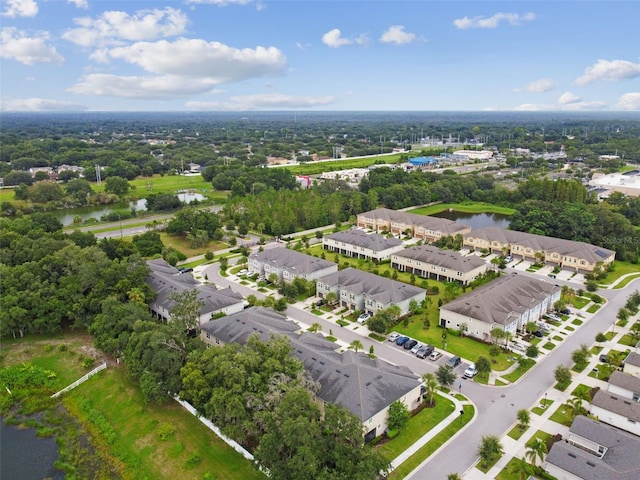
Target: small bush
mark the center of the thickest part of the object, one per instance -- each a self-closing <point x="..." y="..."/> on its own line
<point x="88" y="362"/>
<point x="165" y="431"/>
<point x="48" y="348"/>
<point x="193" y="460"/>
<point x="62" y="347"/>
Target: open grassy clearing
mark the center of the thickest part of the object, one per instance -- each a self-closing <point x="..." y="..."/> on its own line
<point x="627" y="280"/>
<point x="137" y="452"/>
<point x="621" y="268"/>
<point x="314" y="168"/>
<point x="475" y="207"/>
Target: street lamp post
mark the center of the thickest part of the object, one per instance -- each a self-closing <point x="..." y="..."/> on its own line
<point x="545" y="400"/>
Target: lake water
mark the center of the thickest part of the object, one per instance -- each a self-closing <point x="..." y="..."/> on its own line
<point x="67" y="215"/>
<point x="25" y="456"/>
<point x="476" y="220"/>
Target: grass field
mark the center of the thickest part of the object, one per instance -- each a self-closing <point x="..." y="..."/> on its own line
<point x="315" y="168"/>
<point x="476" y="207"/>
<point x="621" y="268"/>
<point x="137" y="452"/>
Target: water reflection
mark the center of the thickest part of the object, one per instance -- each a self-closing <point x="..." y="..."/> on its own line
<point x="476" y="220"/>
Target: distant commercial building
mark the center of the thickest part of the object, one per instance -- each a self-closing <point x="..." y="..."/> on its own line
<point x="358" y="244"/>
<point x="594" y="451"/>
<point x="358" y="290"/>
<point x="507" y="303"/>
<point x="422" y="227"/>
<point x="351" y="175"/>
<point x="627" y="183"/>
<point x="289" y="264"/>
<point x="364" y="386"/>
<point x="427" y="261"/>
<point x="166" y="281"/>
<point x="566" y="254"/>
<point x="303" y="181"/>
<point x="475" y="154"/>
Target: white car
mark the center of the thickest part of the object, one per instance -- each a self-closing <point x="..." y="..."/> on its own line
<point x="555" y="317"/>
<point x="471" y="371"/>
<point x="393" y="337"/>
<point x="417" y="347"/>
<point x="435" y="355"/>
<point x="364" y="317"/>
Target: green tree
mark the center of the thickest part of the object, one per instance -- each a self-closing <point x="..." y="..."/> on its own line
<point x="116" y="185"/>
<point x="536" y="450"/>
<point x="454" y="476"/>
<point x="524" y="418"/>
<point x="489" y="449"/>
<point x="532" y="351"/>
<point x="186" y="311"/>
<point x="315" y="327"/>
<point x="356" y="345"/>
<point x="581" y="356"/>
<point x="562" y="374"/>
<point x="521" y="469"/>
<point x="483" y="366"/>
<point x="601" y="337"/>
<point x="398" y="415"/>
<point x="430" y="383"/>
<point x="445" y="375"/>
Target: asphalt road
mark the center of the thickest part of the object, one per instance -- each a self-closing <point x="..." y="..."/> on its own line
<point x="496" y="406"/>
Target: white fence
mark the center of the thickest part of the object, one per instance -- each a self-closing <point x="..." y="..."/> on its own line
<point x="80" y="380"/>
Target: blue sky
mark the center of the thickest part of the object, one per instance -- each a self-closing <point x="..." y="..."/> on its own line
<point x="243" y="55"/>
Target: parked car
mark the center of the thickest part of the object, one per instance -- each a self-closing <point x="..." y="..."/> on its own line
<point x="604" y="358"/>
<point x="435" y="355"/>
<point x="429" y="349"/>
<point x="393" y="337"/>
<point x="409" y="344"/>
<point x="471" y="371"/>
<point x="422" y="352"/>
<point x="416" y="347"/>
<point x="402" y="340"/>
<point x="319" y="303"/>
<point x="244" y="271"/>
<point x="364" y="317"/>
<point x="545" y="327"/>
<point x="565" y="311"/>
<point x="454" y="361"/>
<point x="517" y="347"/>
<point x="555" y="317"/>
<point x="508" y="258"/>
<point x="538" y="333"/>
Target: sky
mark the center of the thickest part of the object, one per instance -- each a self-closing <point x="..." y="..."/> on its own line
<point x="349" y="55"/>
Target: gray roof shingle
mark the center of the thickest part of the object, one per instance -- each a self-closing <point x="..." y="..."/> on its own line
<point x="436" y="224"/>
<point x="291" y="260"/>
<point x="617" y="404"/>
<point x="363" y="385"/>
<point x="443" y="258"/>
<point x="626" y="381"/>
<point x="372" y="241"/>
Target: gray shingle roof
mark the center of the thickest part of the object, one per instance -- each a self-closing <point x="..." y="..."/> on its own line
<point x="503" y="299"/>
<point x="352" y="380"/>
<point x="617" y="404"/>
<point x="620" y="461"/>
<point x="633" y="359"/>
<point x="291" y="260"/>
<point x="626" y="381"/>
<point x="372" y="241"/>
<point x="446" y="226"/>
<point x="586" y="251"/>
<point x="381" y="289"/>
<point x="443" y="258"/>
<point x="166" y="280"/>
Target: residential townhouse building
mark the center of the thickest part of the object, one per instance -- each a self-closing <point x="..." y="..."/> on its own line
<point x="364" y="386"/>
<point x="358" y="290"/>
<point x="421" y="227"/>
<point x="631" y="364"/>
<point x="358" y="244"/>
<point x="616" y="410"/>
<point x="567" y="254"/>
<point x="508" y="303"/>
<point x="427" y="261"/>
<point x="289" y="264"/>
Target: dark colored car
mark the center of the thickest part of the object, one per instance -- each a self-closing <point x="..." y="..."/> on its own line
<point x="604" y="359"/>
<point x="410" y="344"/>
<point x="402" y="340"/>
<point x="565" y="311"/>
<point x="430" y="349"/>
<point x="538" y="333"/>
<point x="454" y="361"/>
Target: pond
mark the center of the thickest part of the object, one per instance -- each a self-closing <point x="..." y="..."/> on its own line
<point x="476" y="220"/>
<point x="67" y="215"/>
<point x="25" y="456"/>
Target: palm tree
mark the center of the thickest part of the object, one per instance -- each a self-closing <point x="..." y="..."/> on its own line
<point x="524" y="418"/>
<point x="431" y="383"/>
<point x="356" y="345"/>
<point x="537" y="450"/>
<point x="315" y="327"/>
<point x="454" y="476"/>
<point x="490" y="448"/>
<point x="521" y="469"/>
<point x="497" y="333"/>
<point x="576" y="404"/>
<point x="507" y="338"/>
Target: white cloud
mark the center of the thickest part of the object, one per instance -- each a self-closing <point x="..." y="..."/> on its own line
<point x="149" y="87"/>
<point x="79" y="3"/>
<point x="112" y="27"/>
<point x="493" y="22"/>
<point x="612" y="70"/>
<point x="396" y="34"/>
<point x="333" y="38"/>
<point x="214" y="61"/>
<point x="39" y="105"/>
<point x="568" y="97"/>
<point x="629" y="101"/>
<point x="577" y="106"/>
<point x="222" y="3"/>
<point x="20" y="8"/>
<point x="269" y="101"/>
<point x="538" y="86"/>
<point x="16" y="45"/>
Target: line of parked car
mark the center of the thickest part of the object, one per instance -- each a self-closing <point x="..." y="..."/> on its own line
<point x="418" y="349"/>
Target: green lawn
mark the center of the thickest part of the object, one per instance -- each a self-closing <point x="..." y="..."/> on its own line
<point x="418" y="425"/>
<point x="628" y="340"/>
<point x="539" y="410"/>
<point x="563" y="415"/>
<point x="472" y="207"/>
<point x="580" y="389"/>
<point x="540" y="434"/>
<point x="593" y="308"/>
<point x="432" y="445"/>
<point x="580" y="302"/>
<point x="516" y="432"/>
<point x="518" y="372"/>
<point x="549" y="346"/>
<point x="576" y="321"/>
<point x="621" y="268"/>
<point x="144" y="186"/>
<point x="626" y="281"/>
<point x="314" y="168"/>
